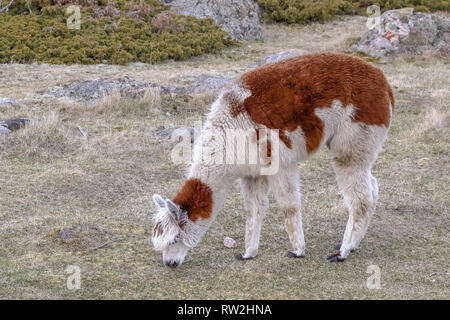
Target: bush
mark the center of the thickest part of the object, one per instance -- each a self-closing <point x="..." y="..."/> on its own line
<point x="110" y="32"/>
<point x="304" y="11"/>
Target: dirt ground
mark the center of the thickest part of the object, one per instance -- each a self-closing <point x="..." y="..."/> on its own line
<point x="101" y="189"/>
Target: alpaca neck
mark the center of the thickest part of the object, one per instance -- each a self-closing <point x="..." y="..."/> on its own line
<point x="217" y="179"/>
<point x="201" y="197"/>
<point x="204" y="192"/>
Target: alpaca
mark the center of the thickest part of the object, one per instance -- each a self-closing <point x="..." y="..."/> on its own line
<point x="312" y="100"/>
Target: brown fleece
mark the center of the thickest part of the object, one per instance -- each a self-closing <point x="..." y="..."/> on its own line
<point x="195" y="198"/>
<point x="157" y="231"/>
<point x="285" y="94"/>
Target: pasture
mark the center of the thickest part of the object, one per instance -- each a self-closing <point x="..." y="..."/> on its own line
<point x="101" y="189"/>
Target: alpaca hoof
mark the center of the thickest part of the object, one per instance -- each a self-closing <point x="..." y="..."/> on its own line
<point x="242" y="258"/>
<point x="290" y="254"/>
<point x="335" y="258"/>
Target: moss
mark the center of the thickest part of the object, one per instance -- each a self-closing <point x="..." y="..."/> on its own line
<point x="304" y="11"/>
<point x="114" y="33"/>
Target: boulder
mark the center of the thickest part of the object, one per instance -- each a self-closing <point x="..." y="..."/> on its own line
<point x="240" y="18"/>
<point x="404" y="31"/>
<point x="91" y="90"/>
<point x="13" y="125"/>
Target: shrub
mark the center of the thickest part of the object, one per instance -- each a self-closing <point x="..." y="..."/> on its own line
<point x="304" y="11"/>
<point x="111" y="32"/>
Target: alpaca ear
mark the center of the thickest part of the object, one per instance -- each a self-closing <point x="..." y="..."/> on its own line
<point x="173" y="208"/>
<point x="159" y="201"/>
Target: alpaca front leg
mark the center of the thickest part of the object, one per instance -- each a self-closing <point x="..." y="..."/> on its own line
<point x="286" y="190"/>
<point x="255" y="193"/>
<point x="294" y="229"/>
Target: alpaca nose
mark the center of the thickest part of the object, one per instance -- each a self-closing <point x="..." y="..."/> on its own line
<point x="171" y="264"/>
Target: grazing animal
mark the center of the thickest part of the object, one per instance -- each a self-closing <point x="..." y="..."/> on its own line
<point x="312" y="100"/>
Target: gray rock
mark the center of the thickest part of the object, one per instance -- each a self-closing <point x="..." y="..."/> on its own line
<point x="97" y="88"/>
<point x="15" y="124"/>
<point x="278" y="57"/>
<point x="240" y="18"/>
<point x="5" y="101"/>
<point x="92" y="90"/>
<point x="4" y="131"/>
<point x="65" y="234"/>
<point x="405" y="31"/>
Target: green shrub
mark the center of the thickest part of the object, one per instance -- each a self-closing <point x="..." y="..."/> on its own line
<point x="304" y="11"/>
<point x="419" y="5"/>
<point x="114" y="33"/>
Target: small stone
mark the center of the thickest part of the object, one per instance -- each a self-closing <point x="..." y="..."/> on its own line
<point x="229" y="242"/>
<point x="5" y="101"/>
<point x="65" y="234"/>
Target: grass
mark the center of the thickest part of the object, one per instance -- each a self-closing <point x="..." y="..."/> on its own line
<point x="101" y="188"/>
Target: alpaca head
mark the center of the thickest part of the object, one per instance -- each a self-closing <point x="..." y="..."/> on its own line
<point x="168" y="233"/>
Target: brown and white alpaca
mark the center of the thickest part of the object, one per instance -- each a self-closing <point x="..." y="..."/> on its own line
<point x="312" y="100"/>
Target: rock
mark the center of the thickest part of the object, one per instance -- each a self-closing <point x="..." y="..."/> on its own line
<point x="97" y="88"/>
<point x="15" y="124"/>
<point x="92" y="90"/>
<point x="278" y="57"/>
<point x="4" y="131"/>
<point x="65" y="234"/>
<point x="5" y="101"/>
<point x="229" y="242"/>
<point x="408" y="32"/>
<point x="240" y="18"/>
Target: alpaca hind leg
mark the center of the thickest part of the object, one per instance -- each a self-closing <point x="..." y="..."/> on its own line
<point x="355" y="148"/>
<point x="255" y="193"/>
<point x="359" y="189"/>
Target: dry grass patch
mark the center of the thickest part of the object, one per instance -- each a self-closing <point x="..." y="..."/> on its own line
<point x="44" y="138"/>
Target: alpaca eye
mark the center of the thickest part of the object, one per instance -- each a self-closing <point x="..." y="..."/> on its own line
<point x="175" y="240"/>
